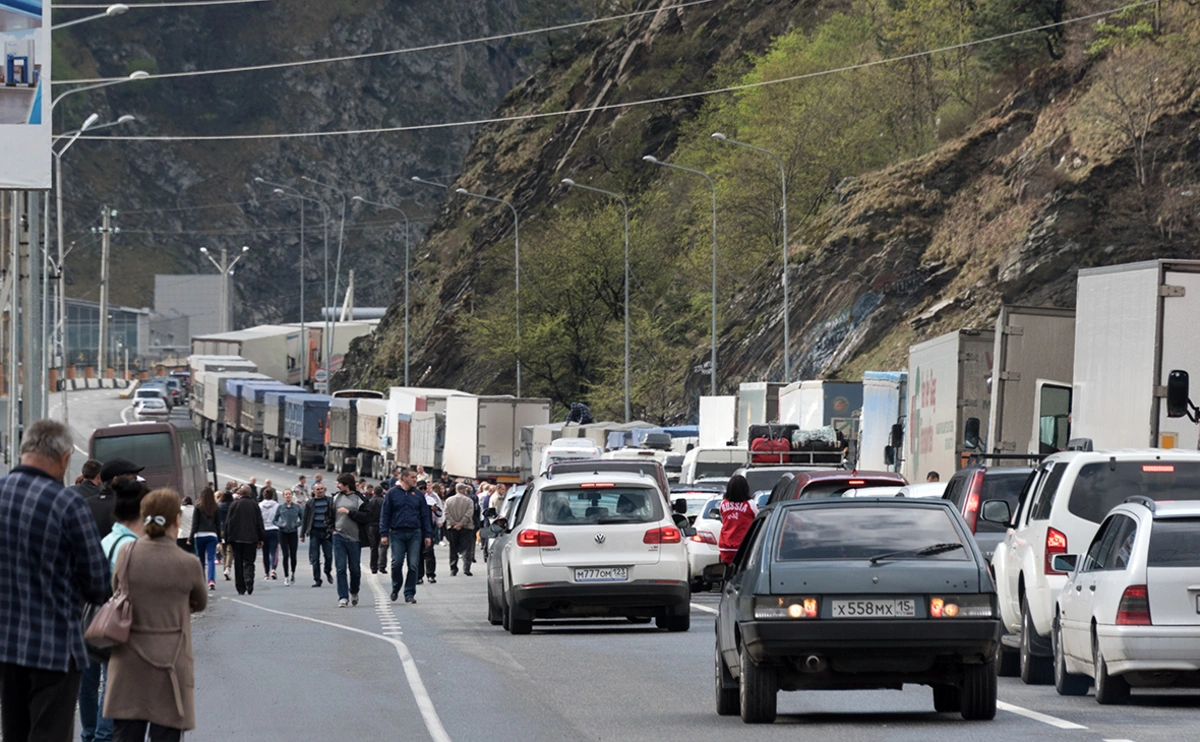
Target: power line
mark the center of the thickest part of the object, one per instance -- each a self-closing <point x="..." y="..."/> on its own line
<point x="629" y="104"/>
<point x="182" y="4"/>
<point x="393" y="52"/>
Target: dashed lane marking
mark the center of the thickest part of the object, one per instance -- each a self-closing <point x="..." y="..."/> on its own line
<point x="1038" y="716"/>
<point x="705" y="608"/>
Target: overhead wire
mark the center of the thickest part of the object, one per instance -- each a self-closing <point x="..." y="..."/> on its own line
<point x="628" y="104"/>
<point x="131" y="6"/>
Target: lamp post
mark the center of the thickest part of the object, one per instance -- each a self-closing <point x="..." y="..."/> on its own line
<point x="132" y="76"/>
<point x="109" y="12"/>
<point x="337" y="273"/>
<point x="407" y="246"/>
<point x="625" y="206"/>
<point x="713" y="360"/>
<point x="787" y="355"/>
<point x="517" y="241"/>
<point x="225" y="267"/>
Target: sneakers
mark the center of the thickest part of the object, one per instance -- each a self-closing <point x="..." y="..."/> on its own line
<point x="274" y="575"/>
<point x="343" y="603"/>
<point x="317" y="583"/>
<point x="353" y="598"/>
<point x="467" y="572"/>
<point x="395" y="594"/>
<point x="454" y="573"/>
<point x="227" y="577"/>
<point x="329" y="576"/>
<point x="420" y="580"/>
<point x="212" y="585"/>
<point x="383" y="570"/>
<point x="410" y="600"/>
<point x="432" y="580"/>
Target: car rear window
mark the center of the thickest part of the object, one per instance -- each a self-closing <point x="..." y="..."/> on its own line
<point x="724" y="470"/>
<point x="589" y="506"/>
<point x="863" y="532"/>
<point x="151" y="450"/>
<point x="1001" y="485"/>
<point x="765" y="479"/>
<point x="836" y="488"/>
<point x="1100" y="487"/>
<point x="1175" y="542"/>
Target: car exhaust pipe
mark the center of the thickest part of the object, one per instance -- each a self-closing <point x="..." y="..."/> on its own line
<point x="814" y="663"/>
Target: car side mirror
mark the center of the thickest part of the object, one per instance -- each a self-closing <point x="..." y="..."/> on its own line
<point x="996" y="511"/>
<point x="889" y="456"/>
<point x="897" y="437"/>
<point x="495" y="529"/>
<point x="688" y="532"/>
<point x="718" y="572"/>
<point x="971" y="433"/>
<point x="679" y="506"/>
<point x="1065" y="562"/>
<point x="489" y="513"/>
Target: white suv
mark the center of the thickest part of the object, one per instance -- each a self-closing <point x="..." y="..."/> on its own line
<point x="1061" y="507"/>
<point x="1130" y="612"/>
<point x="592" y="544"/>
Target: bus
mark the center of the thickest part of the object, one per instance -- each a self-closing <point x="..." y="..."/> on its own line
<point x="173" y="453"/>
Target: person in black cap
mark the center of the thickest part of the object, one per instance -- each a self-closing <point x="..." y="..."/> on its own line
<point x="102" y="504"/>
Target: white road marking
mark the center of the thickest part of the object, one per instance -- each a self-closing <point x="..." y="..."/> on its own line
<point x="705" y="608"/>
<point x="1118" y="740"/>
<point x="80" y="450"/>
<point x="123" y="412"/>
<point x="1037" y="716"/>
<point x="432" y="723"/>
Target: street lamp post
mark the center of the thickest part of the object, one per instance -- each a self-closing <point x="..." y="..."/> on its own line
<point x="787" y="355"/>
<point x="625" y="206"/>
<point x="407" y="246"/>
<point x="713" y="360"/>
<point x="337" y="272"/>
<point x="225" y="267"/>
<point x="517" y="241"/>
<point x="132" y="76"/>
<point x="109" y="12"/>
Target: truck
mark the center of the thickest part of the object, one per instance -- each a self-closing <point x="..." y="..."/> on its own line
<point x="276" y="349"/>
<point x="947" y="386"/>
<point x="199" y="366"/>
<point x="1133" y="327"/>
<point x="403" y="403"/>
<point x="1034" y="356"/>
<point x="483" y="435"/>
<point x="208" y="400"/>
<point x="822" y="403"/>
<point x="251" y="419"/>
<point x="535" y="439"/>
<point x="375" y="433"/>
<point x="427" y="440"/>
<point x="305" y="417"/>
<point x="341" y="435"/>
<point x="718" y="421"/>
<point x="274" y="434"/>
<point x="881" y="432"/>
<point x="757" y="402"/>
<point x="236" y="434"/>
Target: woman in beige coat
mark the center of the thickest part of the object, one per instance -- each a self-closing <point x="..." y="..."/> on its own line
<point x="150" y="678"/>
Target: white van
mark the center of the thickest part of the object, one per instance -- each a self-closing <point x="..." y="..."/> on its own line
<point x="713" y="462"/>
<point x="568" y="449"/>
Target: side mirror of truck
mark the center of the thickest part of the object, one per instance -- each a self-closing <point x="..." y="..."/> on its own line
<point x="889" y="456"/>
<point x="1177" y="394"/>
<point x="897" y="437"/>
<point x="971" y="433"/>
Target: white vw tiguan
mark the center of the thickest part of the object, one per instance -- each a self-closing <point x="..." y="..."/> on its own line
<point x="588" y="545"/>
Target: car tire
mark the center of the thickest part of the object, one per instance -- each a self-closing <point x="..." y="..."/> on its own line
<point x="504" y="615"/>
<point x="728" y="701"/>
<point x="947" y="699"/>
<point x="1067" y="684"/>
<point x="1034" y="670"/>
<point x="757" y="691"/>
<point x="1110" y="689"/>
<point x="494" y="617"/>
<point x="1008" y="663"/>
<point x="978" y="694"/>
<point x="676" y="621"/>
<point x="519" y="621"/>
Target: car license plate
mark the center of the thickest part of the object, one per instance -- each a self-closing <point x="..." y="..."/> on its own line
<point x="602" y="574"/>
<point x="900" y="608"/>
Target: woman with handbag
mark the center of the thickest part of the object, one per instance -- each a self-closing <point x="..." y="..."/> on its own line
<point x="150" y="676"/>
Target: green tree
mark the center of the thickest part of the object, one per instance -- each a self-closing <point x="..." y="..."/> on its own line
<point x="1020" y="53"/>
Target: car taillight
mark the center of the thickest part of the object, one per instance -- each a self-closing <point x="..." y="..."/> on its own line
<point x="531" y="537"/>
<point x="971" y="506"/>
<point x="664" y="535"/>
<point x="705" y="537"/>
<point x="1056" y="543"/>
<point x="1134" y="608"/>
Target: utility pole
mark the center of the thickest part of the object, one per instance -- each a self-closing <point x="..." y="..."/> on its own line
<point x="106" y="230"/>
<point x="32" y="331"/>
<point x="226" y="269"/>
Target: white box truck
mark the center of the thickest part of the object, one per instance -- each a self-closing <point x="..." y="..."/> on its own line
<point x="372" y="437"/>
<point x="884" y="406"/>
<point x="718" y="421"/>
<point x="403" y="402"/>
<point x="947" y="385"/>
<point x="483" y="435"/>
<point x="1134" y="324"/>
<point x="1034" y="356"/>
<point x="276" y="349"/>
<point x="819" y="403"/>
<point x="757" y="402"/>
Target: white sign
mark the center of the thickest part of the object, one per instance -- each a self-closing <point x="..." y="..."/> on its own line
<point x="25" y="94"/>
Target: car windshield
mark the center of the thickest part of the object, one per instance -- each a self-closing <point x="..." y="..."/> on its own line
<point x="694" y="503"/>
<point x="859" y="533"/>
<point x="579" y="506"/>
<point x="151" y="450"/>
<point x="1102" y="486"/>
<point x="1174" y="542"/>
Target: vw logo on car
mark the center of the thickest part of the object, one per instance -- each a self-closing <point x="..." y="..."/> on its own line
<point x="600" y="539"/>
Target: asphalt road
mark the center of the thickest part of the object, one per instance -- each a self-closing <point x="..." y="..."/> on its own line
<point x="287" y="663"/>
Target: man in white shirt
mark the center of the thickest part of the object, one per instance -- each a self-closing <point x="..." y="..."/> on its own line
<point x="428" y="566"/>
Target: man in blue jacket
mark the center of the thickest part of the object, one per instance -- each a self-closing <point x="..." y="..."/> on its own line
<point x="406" y="520"/>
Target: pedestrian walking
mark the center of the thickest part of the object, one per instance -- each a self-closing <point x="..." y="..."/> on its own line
<point x="405" y="518"/>
<point x="428" y="555"/>
<point x="460" y="529"/>
<point x="185" y="525"/>
<point x="244" y="530"/>
<point x="224" y="502"/>
<point x="89" y="484"/>
<point x="300" y="491"/>
<point x="270" y="548"/>
<point x="205" y="534"/>
<point x="393" y="480"/>
<point x="378" y="551"/>
<point x="254" y="492"/>
<point x="737" y="513"/>
<point x="50" y="549"/>
<point x="288" y="518"/>
<point x="318" y="519"/>
<point x="151" y="676"/>
<point x="351" y="514"/>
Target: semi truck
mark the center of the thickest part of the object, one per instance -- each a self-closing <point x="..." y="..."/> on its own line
<point x="483" y="435"/>
<point x="881" y="432"/>
<point x="947" y="386"/>
<point x="1034" y="356"/>
<point x="757" y="403"/>
<point x="274" y="433"/>
<point x="403" y="403"/>
<point x="275" y="349"/>
<point x="375" y="433"/>
<point x="822" y="403"/>
<point x="427" y="439"/>
<point x="208" y="400"/>
<point x="341" y="435"/>
<point x="305" y="417"/>
<point x="251" y="418"/>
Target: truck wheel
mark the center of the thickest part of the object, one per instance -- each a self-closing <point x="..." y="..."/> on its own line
<point x="757" y="691"/>
<point x="947" y="699"/>
<point x="1034" y="670"/>
<point x="1067" y="684"/>
<point x="728" y="702"/>
<point x="979" y="691"/>
<point x="1110" y="689"/>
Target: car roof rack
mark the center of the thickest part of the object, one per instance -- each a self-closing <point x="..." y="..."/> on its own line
<point x="1142" y="500"/>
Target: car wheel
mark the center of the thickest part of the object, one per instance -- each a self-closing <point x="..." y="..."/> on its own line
<point x="519" y="621"/>
<point x="1034" y="670"/>
<point x="1110" y="689"/>
<point x="1067" y="684"/>
<point x="494" y="617"/>
<point x="978" y="696"/>
<point x="947" y="699"/>
<point x="728" y="703"/>
<point x="505" y="616"/>
<point x="757" y="691"/>
<point x="676" y="621"/>
<point x="1008" y="663"/>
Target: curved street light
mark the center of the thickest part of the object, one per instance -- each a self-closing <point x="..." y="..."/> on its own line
<point x="400" y="211"/>
<point x="109" y="12"/>
<point x="138" y="75"/>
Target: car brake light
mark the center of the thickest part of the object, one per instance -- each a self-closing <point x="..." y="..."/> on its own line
<point x="1056" y="543"/>
<point x="1134" y="608"/>
<point x="596" y="485"/>
<point x="664" y="535"/>
<point x="705" y="537"/>
<point x="1158" y="468"/>
<point x="857" y="482"/>
<point x="971" y="506"/>
<point x="531" y="537"/>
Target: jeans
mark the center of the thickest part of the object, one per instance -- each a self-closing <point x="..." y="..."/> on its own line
<point x="206" y="547"/>
<point x="94" y="727"/>
<point x="379" y="552"/>
<point x="347" y="553"/>
<point x="270" y="553"/>
<point x="428" y="563"/>
<point x="288" y="543"/>
<point x="462" y="543"/>
<point x="318" y="541"/>
<point x="406" y="544"/>
<point x="244" y="558"/>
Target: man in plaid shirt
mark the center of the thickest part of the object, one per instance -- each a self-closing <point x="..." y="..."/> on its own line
<point x="53" y="562"/>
